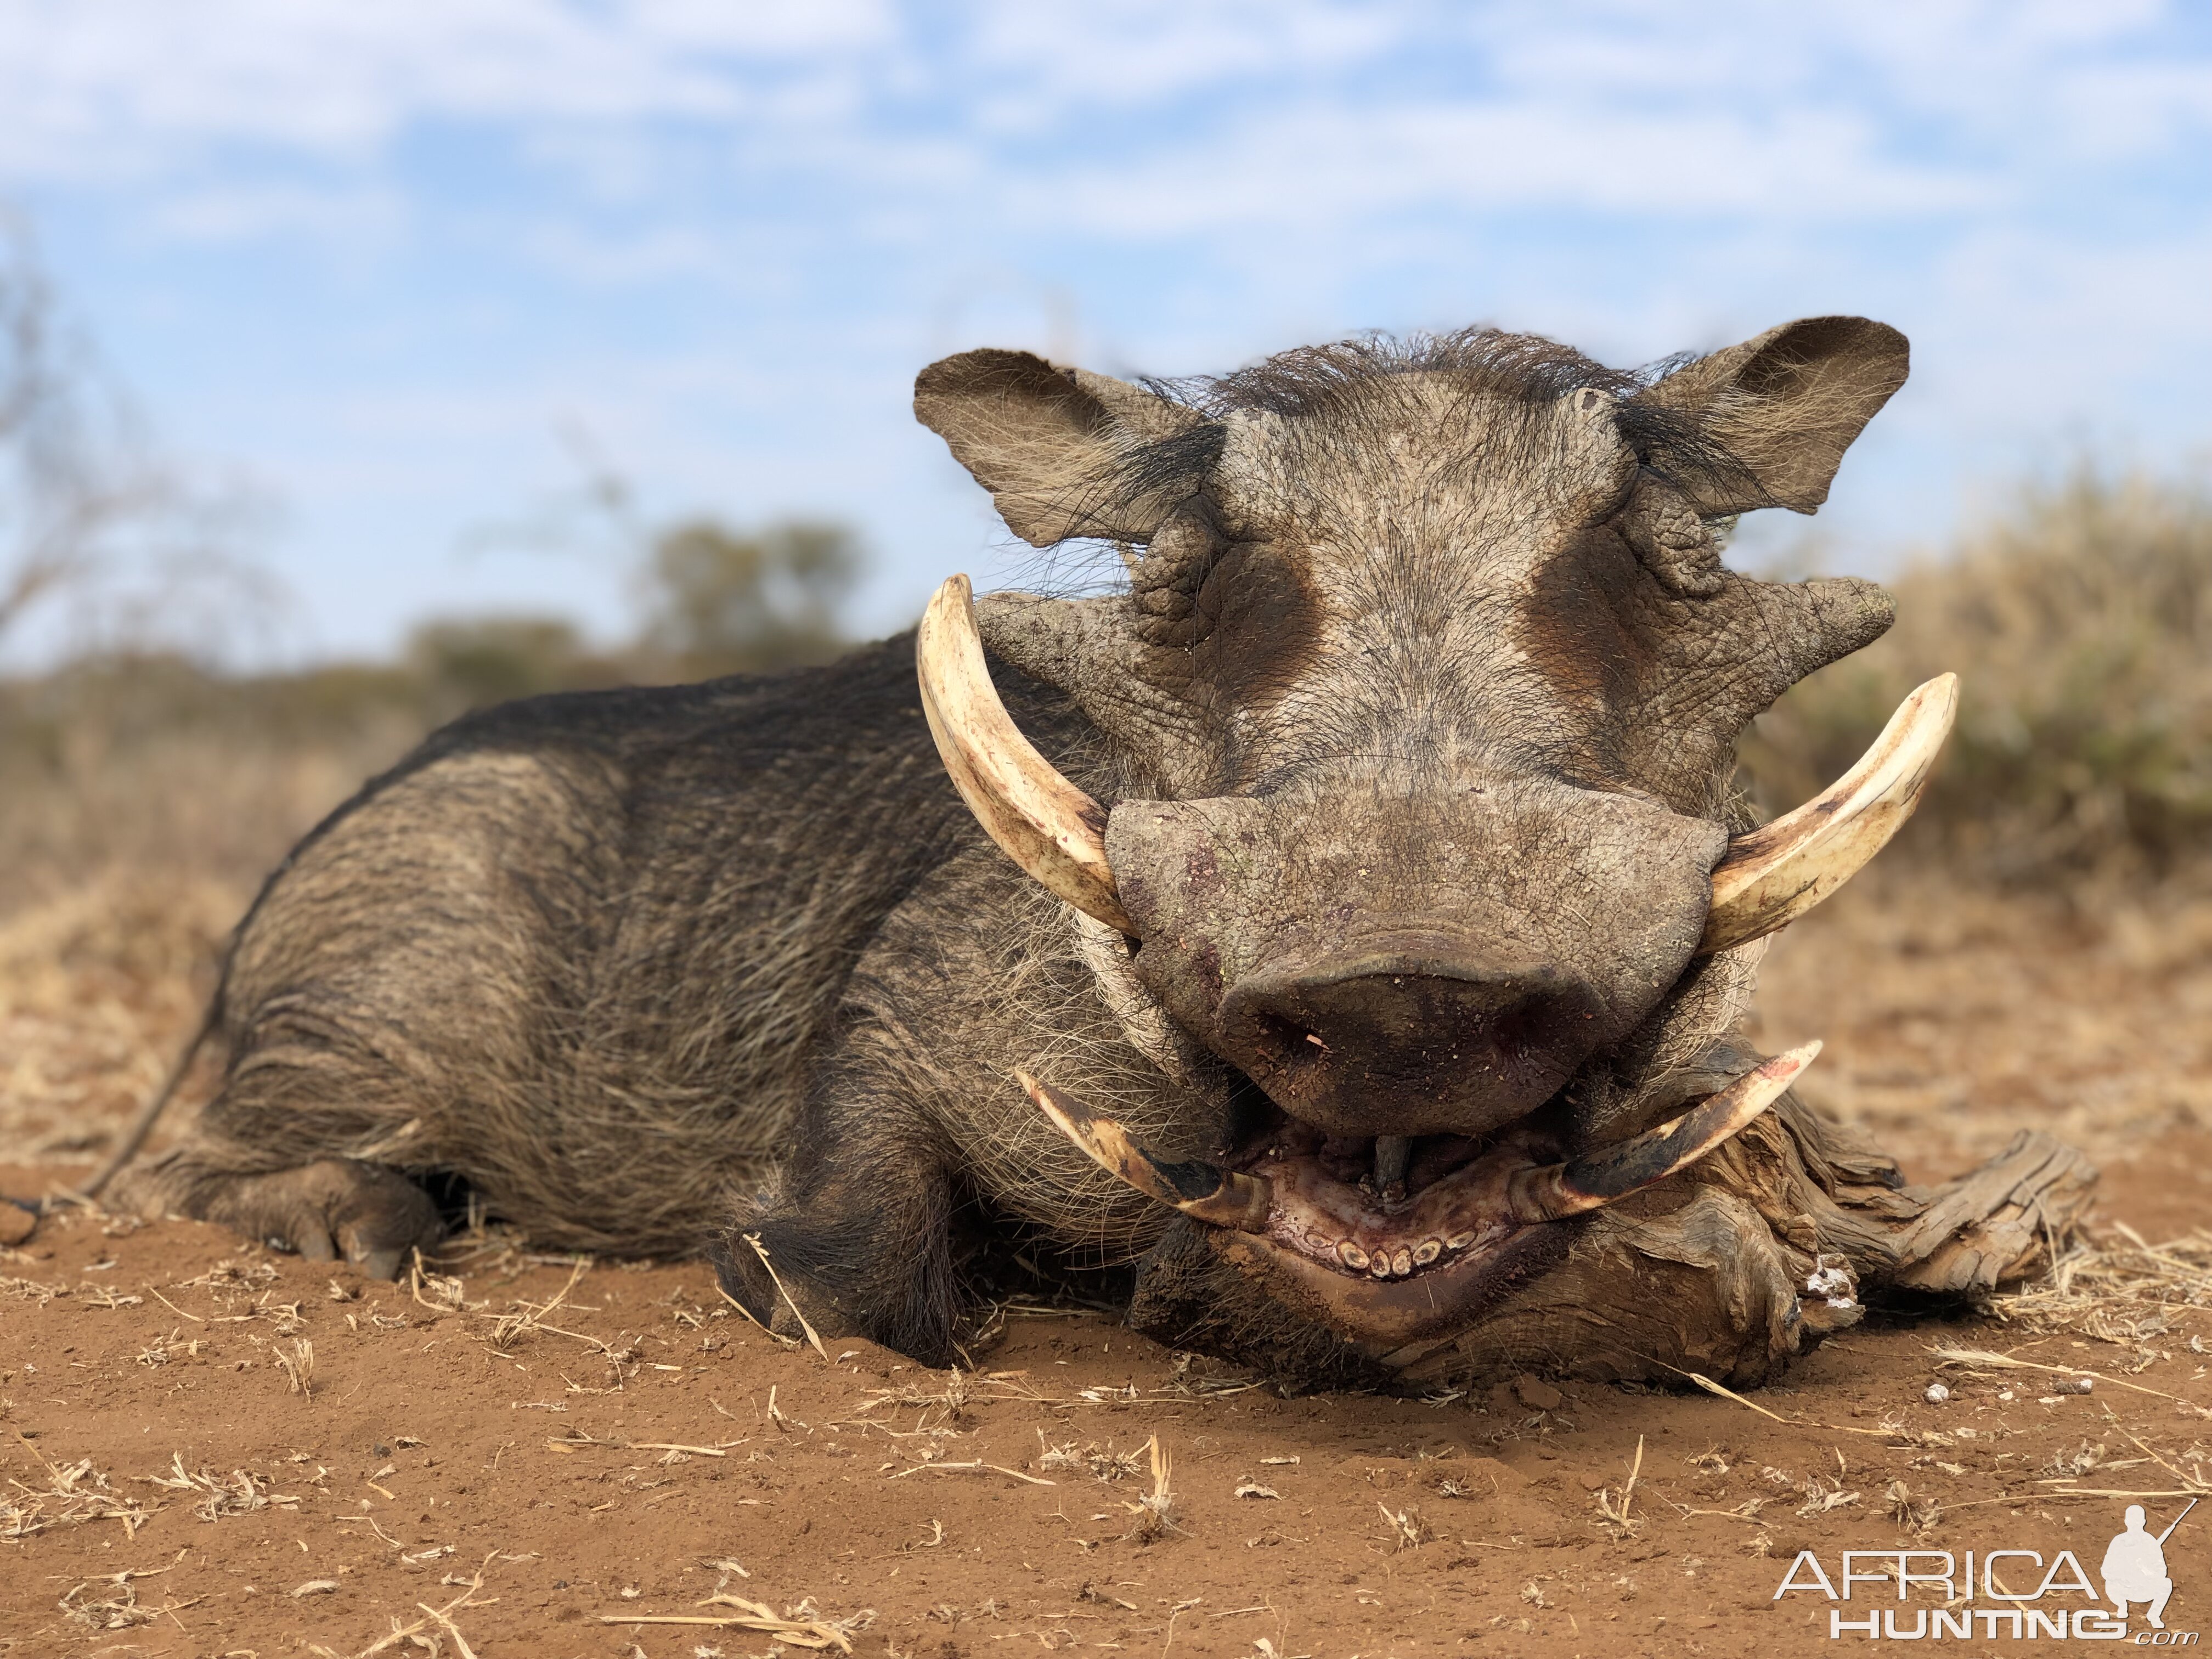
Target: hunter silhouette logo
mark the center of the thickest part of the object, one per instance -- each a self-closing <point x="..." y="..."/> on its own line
<point x="2135" y="1566"/>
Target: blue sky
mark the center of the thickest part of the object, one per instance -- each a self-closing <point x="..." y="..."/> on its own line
<point x="395" y="263"/>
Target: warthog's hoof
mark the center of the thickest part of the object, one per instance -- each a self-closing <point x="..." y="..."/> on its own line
<point x="326" y="1211"/>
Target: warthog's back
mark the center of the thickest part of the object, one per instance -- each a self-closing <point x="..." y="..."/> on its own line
<point x="580" y="948"/>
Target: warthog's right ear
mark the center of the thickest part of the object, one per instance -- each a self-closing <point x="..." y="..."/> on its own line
<point x="1780" y="410"/>
<point x="1066" y="453"/>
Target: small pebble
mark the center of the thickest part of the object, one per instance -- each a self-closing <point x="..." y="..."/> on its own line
<point x="1537" y="1395"/>
<point x="1937" y="1394"/>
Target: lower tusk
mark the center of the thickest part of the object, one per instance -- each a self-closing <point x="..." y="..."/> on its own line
<point x="1222" y="1197"/>
<point x="1775" y="873"/>
<point x="1597" y="1178"/>
<point x="1047" y="825"/>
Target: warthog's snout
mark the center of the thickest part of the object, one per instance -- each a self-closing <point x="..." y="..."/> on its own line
<point x="1437" y="964"/>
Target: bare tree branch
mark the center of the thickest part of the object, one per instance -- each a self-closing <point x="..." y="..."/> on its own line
<point x="89" y="512"/>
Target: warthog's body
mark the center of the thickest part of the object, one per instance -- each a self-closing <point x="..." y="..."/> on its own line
<point x="1417" y="728"/>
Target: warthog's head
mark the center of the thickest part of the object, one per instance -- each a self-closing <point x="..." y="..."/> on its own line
<point x="1426" y="686"/>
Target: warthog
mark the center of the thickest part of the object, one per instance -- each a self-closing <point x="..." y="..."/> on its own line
<point x="1339" y="937"/>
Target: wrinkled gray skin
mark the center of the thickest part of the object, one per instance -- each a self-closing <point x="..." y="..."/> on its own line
<point x="1416" y="722"/>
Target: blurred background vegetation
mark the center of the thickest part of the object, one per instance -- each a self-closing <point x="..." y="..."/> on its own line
<point x="135" y="748"/>
<point x="2079" y="617"/>
<point x="148" y="756"/>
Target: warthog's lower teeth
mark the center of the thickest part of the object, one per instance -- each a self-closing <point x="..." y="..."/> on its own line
<point x="1223" y="1197"/>
<point x="1597" y="1178"/>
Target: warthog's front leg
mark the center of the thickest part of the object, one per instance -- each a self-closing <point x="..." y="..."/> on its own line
<point x="856" y="1227"/>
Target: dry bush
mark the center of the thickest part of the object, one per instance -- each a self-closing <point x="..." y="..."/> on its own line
<point x="152" y="765"/>
<point x="2081" y="626"/>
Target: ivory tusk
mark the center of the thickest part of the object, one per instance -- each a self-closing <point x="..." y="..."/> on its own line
<point x="1197" y="1188"/>
<point x="1053" y="829"/>
<point x="1774" y="874"/>
<point x="1557" y="1191"/>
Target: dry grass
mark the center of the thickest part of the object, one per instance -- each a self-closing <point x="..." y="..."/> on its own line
<point x="1409" y="1527"/>
<point x="430" y="1633"/>
<point x="1613" y="1504"/>
<point x="74" y="1494"/>
<point x="1099" y="1462"/>
<point x="802" y="1625"/>
<point x="98" y="987"/>
<point x="239" y="1493"/>
<point x="152" y="767"/>
<point x="2115" y="1286"/>
<point x="1154" y="1509"/>
<point x="299" y="1366"/>
<point x="113" y="1603"/>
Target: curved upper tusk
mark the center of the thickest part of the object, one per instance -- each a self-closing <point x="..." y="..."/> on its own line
<point x="1776" y="873"/>
<point x="1039" y="820"/>
<point x="1224" y="1197"/>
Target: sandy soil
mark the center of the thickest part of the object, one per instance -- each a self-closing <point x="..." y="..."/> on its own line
<point x="525" y="1455"/>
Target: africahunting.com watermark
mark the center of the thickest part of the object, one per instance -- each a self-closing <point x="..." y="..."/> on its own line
<point x="1973" y="1596"/>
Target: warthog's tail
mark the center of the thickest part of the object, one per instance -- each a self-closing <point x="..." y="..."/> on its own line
<point x="151" y="1113"/>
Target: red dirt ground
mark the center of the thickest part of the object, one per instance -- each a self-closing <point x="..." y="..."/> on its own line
<point x="556" y="1485"/>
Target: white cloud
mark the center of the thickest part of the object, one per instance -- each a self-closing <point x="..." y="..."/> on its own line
<point x="1146" y="115"/>
<point x="727" y="233"/>
<point x="132" y="88"/>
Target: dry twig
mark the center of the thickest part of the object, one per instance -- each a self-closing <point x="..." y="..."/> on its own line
<point x="1612" y="1509"/>
<point x="803" y="1626"/>
<point x="1153" y="1510"/>
<point x="812" y="1338"/>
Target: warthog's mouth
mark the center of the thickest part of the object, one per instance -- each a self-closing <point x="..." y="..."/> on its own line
<point x="1390" y="1239"/>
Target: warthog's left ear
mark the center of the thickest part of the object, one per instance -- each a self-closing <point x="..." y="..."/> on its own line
<point x="1782" y="409"/>
<point x="1066" y="453"/>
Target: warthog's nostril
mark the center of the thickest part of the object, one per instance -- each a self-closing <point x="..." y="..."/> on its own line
<point x="1396" y="1045"/>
